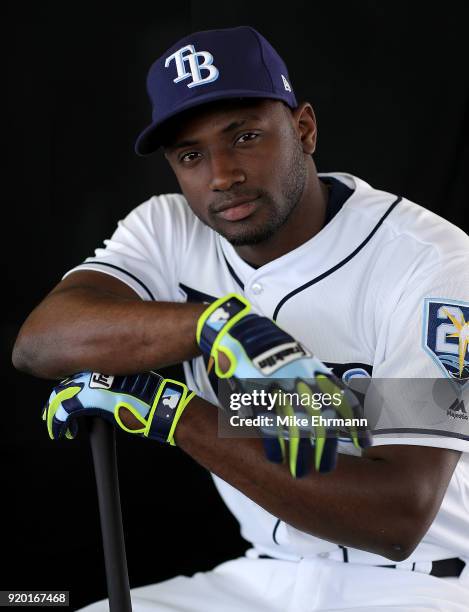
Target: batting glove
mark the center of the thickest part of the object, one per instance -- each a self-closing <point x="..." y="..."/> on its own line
<point x="256" y="348"/>
<point x="156" y="402"/>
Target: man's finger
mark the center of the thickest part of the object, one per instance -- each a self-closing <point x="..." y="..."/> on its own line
<point x="129" y="419"/>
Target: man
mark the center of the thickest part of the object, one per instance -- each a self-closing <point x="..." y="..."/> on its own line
<point x="369" y="282"/>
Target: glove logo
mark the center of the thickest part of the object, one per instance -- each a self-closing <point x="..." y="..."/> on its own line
<point x="220" y="315"/>
<point x="273" y="359"/>
<point x="446" y="337"/>
<point x="100" y="381"/>
<point x="171" y="400"/>
<point x="188" y="55"/>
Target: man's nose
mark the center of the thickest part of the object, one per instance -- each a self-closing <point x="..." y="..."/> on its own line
<point x="225" y="172"/>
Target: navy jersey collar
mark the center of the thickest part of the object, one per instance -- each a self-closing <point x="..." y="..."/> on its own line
<point x="339" y="193"/>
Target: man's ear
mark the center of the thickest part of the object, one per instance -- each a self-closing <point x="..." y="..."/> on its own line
<point x="305" y="124"/>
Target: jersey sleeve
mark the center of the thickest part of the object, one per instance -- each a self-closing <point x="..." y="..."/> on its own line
<point x="419" y="392"/>
<point x="146" y="248"/>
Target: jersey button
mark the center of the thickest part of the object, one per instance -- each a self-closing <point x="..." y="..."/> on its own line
<point x="257" y="288"/>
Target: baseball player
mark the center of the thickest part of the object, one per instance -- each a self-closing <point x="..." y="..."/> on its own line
<point x="262" y="267"/>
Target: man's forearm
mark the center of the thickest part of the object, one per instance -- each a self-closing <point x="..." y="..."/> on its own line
<point x="356" y="505"/>
<point x="77" y="330"/>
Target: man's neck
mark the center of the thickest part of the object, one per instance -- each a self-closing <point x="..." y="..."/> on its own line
<point x="306" y="220"/>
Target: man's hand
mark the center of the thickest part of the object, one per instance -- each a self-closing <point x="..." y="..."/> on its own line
<point x="144" y="404"/>
<point x="245" y="346"/>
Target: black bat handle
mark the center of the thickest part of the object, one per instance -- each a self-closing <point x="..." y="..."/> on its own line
<point x="103" y="447"/>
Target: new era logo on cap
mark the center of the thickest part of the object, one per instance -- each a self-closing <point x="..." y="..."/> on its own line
<point x="286" y="84"/>
<point x="213" y="65"/>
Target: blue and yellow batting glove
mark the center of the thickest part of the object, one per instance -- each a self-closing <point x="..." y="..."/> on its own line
<point x="258" y="350"/>
<point x="157" y="403"/>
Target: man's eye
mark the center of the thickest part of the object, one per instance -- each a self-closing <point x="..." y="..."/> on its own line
<point x="188" y="157"/>
<point x="248" y="136"/>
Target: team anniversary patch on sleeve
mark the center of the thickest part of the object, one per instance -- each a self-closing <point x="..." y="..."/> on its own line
<point x="446" y="337"/>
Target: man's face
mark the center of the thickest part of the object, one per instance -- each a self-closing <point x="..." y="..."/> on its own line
<point x="241" y="167"/>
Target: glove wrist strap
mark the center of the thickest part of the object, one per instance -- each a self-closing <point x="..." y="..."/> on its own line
<point x="170" y="402"/>
<point x="217" y="320"/>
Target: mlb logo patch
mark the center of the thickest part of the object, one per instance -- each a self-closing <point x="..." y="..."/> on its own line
<point x="446" y="336"/>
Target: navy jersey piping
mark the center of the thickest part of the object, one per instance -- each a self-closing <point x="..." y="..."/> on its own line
<point x="233" y="273"/>
<point x="340" y="264"/>
<point x="430" y="432"/>
<point x="274" y="532"/>
<point x="137" y="280"/>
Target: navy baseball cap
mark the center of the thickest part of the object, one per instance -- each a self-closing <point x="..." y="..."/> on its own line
<point x="212" y="65"/>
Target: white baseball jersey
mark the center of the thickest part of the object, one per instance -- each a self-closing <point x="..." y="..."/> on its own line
<point x="381" y="290"/>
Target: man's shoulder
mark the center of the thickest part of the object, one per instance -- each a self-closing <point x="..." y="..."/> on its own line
<point x="167" y="212"/>
<point x="423" y="227"/>
<point x="401" y="220"/>
<point x="171" y="204"/>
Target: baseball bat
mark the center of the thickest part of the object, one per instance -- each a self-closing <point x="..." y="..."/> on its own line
<point x="103" y="447"/>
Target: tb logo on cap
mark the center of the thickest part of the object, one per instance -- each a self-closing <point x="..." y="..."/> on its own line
<point x="188" y="55"/>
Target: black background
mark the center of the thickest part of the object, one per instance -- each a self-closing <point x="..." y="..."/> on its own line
<point x="390" y="86"/>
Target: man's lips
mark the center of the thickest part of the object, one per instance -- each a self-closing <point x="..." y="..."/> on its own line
<point x="237" y="209"/>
